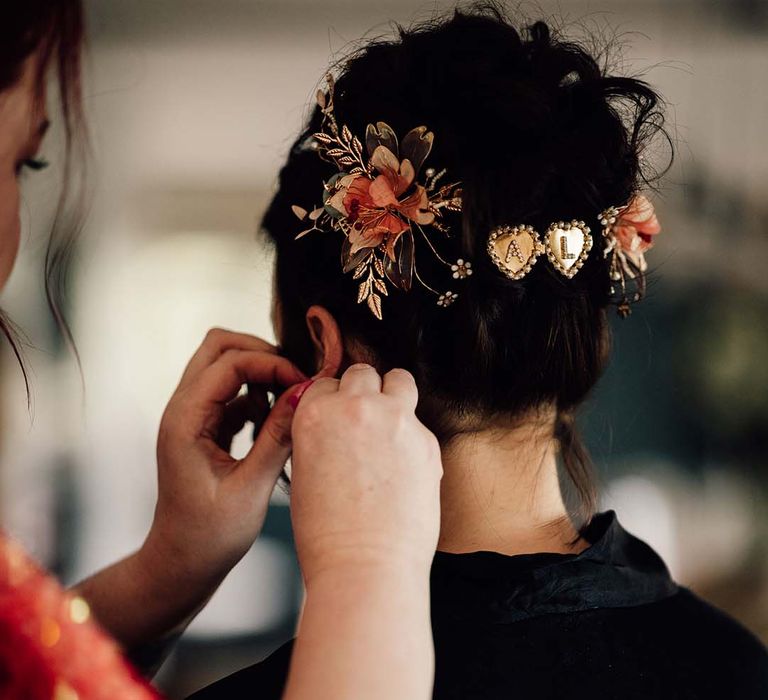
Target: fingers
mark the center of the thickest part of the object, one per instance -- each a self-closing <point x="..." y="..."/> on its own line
<point x="272" y="445"/>
<point x="216" y="343"/>
<point x="320" y="386"/>
<point x="221" y="381"/>
<point x="246" y="408"/>
<point x="360" y="379"/>
<point x="298" y="392"/>
<point x="401" y="384"/>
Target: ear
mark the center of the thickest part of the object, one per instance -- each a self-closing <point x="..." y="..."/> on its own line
<point x="326" y="337"/>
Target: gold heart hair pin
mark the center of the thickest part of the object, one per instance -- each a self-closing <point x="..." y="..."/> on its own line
<point x="628" y="233"/>
<point x="515" y="249"/>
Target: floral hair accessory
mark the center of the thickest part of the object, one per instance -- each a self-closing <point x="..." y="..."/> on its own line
<point x="379" y="203"/>
<point x="629" y="232"/>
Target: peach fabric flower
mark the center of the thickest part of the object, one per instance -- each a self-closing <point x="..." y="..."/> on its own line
<point x="374" y="207"/>
<point x="636" y="226"/>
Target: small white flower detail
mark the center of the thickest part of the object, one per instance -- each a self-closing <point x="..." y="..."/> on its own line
<point x="447" y="299"/>
<point x="609" y="216"/>
<point x="461" y="269"/>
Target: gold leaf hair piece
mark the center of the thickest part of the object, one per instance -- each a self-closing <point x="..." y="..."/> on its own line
<point x="379" y="203"/>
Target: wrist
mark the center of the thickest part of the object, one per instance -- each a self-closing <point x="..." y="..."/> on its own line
<point x="369" y="570"/>
<point x="383" y="590"/>
<point x="163" y="567"/>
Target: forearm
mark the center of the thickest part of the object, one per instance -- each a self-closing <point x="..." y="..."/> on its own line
<point x="364" y="635"/>
<point x="143" y="600"/>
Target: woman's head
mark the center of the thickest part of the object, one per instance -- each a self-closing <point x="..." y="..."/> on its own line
<point x="24" y="122"/>
<point x="35" y="36"/>
<point x="536" y="132"/>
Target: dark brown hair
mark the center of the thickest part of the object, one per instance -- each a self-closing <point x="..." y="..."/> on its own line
<point x="54" y="30"/>
<point x="537" y="131"/>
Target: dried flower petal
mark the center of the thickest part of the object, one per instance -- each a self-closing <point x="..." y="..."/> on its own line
<point x="416" y="146"/>
<point x="380" y="135"/>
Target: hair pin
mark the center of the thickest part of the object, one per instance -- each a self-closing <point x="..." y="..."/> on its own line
<point x="628" y="232"/>
<point x="379" y="203"/>
<point x="568" y="245"/>
<point x="514" y="249"/>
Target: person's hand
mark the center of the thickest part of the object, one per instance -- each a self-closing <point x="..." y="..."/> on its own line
<point x="365" y="476"/>
<point x="365" y="505"/>
<point x="210" y="506"/>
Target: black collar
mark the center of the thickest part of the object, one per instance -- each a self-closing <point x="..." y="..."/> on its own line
<point x="616" y="570"/>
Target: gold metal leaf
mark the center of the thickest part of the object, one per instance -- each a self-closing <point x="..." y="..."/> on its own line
<point x="379" y="284"/>
<point x="374" y="304"/>
<point x="364" y="290"/>
<point x="346" y="134"/>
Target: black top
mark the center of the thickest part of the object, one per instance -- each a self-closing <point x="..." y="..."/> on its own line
<point x="608" y="622"/>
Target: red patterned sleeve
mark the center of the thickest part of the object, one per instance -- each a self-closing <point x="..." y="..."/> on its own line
<point x="50" y="649"/>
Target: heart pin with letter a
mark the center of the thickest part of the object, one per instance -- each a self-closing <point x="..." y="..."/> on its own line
<point x="514" y="249"/>
<point x="568" y="245"/>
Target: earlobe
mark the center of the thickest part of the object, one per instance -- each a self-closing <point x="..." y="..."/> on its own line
<point x="326" y="337"/>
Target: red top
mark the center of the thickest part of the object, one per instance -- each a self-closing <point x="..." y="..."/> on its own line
<point x="50" y="649"/>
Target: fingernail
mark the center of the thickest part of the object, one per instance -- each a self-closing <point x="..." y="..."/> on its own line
<point x="298" y="392"/>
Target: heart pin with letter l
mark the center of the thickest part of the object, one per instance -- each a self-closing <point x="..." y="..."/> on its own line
<point x="514" y="249"/>
<point x="568" y="245"/>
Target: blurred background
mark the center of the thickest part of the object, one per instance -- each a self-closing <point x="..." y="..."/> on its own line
<point x="193" y="104"/>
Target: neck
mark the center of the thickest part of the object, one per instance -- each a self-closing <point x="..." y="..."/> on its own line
<point x="500" y="493"/>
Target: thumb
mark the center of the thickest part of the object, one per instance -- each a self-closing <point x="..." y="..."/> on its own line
<point x="272" y="446"/>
